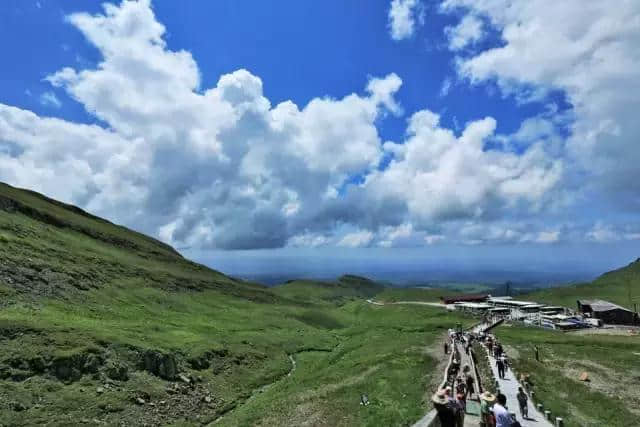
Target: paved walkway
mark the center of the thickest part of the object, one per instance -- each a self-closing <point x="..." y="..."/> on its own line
<point x="509" y="387"/>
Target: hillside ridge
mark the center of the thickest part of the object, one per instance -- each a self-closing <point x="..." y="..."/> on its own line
<point x="14" y="199"/>
<point x="53" y="249"/>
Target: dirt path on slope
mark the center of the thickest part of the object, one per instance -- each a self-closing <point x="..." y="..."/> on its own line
<point x="436" y="351"/>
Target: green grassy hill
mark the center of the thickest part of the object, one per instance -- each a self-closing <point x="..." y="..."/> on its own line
<point x="621" y="286"/>
<point x="345" y="288"/>
<point x="103" y="325"/>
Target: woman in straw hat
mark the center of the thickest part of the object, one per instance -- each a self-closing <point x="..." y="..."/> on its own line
<point x="446" y="413"/>
<point x="487" y="400"/>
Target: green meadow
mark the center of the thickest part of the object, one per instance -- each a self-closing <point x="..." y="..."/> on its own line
<point x="99" y="324"/>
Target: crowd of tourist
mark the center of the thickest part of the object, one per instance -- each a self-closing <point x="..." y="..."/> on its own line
<point x="451" y="407"/>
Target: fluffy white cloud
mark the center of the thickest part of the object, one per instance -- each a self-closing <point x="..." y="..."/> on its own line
<point x="588" y="50"/>
<point x="469" y="30"/>
<point x="223" y="167"/>
<point x="206" y="167"/>
<point x="439" y="176"/>
<point x="309" y="240"/>
<point x="357" y="239"/>
<point x="403" y="15"/>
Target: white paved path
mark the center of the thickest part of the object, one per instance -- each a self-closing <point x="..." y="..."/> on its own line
<point x="509" y="387"/>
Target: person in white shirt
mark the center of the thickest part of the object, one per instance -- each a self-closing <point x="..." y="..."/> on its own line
<point x="503" y="419"/>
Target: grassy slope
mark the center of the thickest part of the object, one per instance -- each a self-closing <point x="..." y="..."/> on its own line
<point x="612" y="362"/>
<point x="380" y="351"/>
<point x="80" y="297"/>
<point x="345" y="287"/>
<point x="621" y="286"/>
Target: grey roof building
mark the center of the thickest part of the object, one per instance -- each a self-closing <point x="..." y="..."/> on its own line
<point x="607" y="311"/>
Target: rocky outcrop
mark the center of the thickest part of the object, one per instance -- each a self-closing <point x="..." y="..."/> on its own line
<point x="206" y="359"/>
<point x="160" y="364"/>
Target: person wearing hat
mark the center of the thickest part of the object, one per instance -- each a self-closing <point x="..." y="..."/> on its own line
<point x="456" y="406"/>
<point x="446" y="414"/>
<point x="486" y="401"/>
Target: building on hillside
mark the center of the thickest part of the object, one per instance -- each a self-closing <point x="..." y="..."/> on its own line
<point x="464" y="298"/>
<point x="531" y="308"/>
<point x="551" y="309"/>
<point x="607" y="311"/>
<point x="472" y="307"/>
<point x="509" y="303"/>
<point x="500" y="311"/>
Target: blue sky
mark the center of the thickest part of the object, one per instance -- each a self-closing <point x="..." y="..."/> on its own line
<point x="376" y="128"/>
<point x="301" y="50"/>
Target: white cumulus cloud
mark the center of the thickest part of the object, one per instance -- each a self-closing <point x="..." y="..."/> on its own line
<point x="357" y="239"/>
<point x="468" y="31"/>
<point x="404" y="15"/>
<point x="223" y="167"/>
<point x="590" y="51"/>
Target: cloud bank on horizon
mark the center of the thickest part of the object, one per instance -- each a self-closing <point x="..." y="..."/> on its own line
<point x="223" y="167"/>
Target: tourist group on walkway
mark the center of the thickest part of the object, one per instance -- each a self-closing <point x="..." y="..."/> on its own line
<point x="451" y="407"/>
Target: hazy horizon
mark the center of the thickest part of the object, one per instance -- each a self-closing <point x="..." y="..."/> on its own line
<point x="403" y="266"/>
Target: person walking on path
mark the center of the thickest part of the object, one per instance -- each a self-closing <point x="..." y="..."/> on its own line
<point x="503" y="418"/>
<point x="446" y="347"/>
<point x="505" y="361"/>
<point x="522" y="402"/>
<point x="469" y="383"/>
<point x="500" y="366"/>
<point x="535" y="347"/>
<point x="446" y="415"/>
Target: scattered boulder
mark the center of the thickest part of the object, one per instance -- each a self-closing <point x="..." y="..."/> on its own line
<point x="140" y="401"/>
<point x="18" y="407"/>
<point x="161" y="364"/>
<point x="66" y="369"/>
<point x="117" y="371"/>
<point x="100" y="390"/>
<point x="37" y="364"/>
<point x="92" y="363"/>
<point x="204" y="360"/>
<point x="584" y="377"/>
<point x="184" y="378"/>
<point x="71" y="367"/>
